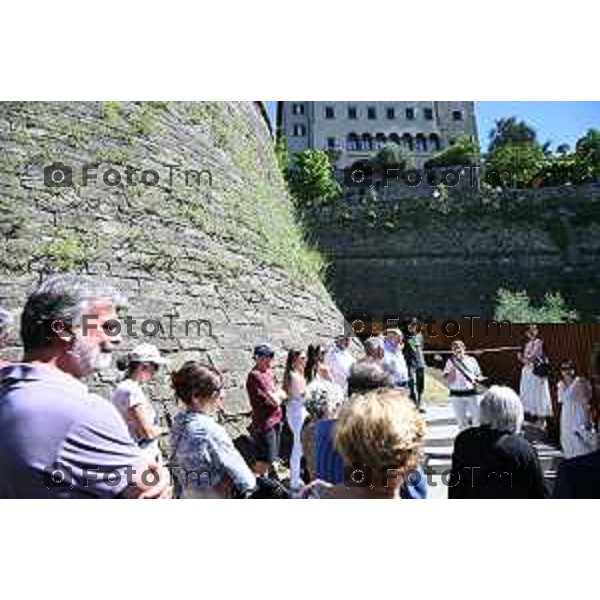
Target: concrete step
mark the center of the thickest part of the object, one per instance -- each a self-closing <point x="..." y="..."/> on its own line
<point x="444" y="422"/>
<point x="438" y="451"/>
<point x="550" y="461"/>
<point x="437" y="465"/>
<point x="440" y="459"/>
<point x="436" y="490"/>
<point x="441" y="435"/>
<point x="435" y="412"/>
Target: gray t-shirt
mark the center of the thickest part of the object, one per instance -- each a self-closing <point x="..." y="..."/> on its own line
<point x="51" y="429"/>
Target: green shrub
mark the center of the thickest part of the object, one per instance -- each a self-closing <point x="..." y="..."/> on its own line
<point x="463" y="152"/>
<point x="311" y="178"/>
<point x="65" y="252"/>
<point x="393" y="155"/>
<point x="518" y="308"/>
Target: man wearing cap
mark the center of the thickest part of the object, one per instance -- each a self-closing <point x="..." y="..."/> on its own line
<point x="58" y="440"/>
<point x="394" y="361"/>
<point x="136" y="409"/>
<point x="5" y="323"/>
<point x="265" y="400"/>
<point x="339" y="359"/>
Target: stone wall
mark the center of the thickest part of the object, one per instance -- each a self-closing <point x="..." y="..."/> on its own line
<point x="226" y="250"/>
<point x="447" y="256"/>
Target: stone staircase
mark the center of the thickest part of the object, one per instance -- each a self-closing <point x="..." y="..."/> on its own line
<point x="439" y="443"/>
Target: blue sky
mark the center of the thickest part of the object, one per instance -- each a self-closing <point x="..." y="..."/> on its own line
<point x="559" y="122"/>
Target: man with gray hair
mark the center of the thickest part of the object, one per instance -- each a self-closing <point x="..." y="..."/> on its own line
<point x="57" y="440"/>
<point x="494" y="460"/>
<point x="374" y="349"/>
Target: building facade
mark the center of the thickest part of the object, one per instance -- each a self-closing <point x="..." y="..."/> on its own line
<point x="356" y="130"/>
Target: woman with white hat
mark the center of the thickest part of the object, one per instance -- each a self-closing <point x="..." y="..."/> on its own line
<point x="141" y="417"/>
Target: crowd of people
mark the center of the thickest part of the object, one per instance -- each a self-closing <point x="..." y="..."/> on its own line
<point x="356" y="424"/>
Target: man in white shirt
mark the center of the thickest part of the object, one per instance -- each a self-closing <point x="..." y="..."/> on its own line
<point x="462" y="373"/>
<point x="339" y="359"/>
<point x="394" y="361"/>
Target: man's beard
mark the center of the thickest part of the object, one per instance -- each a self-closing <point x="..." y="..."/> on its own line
<point x="89" y="358"/>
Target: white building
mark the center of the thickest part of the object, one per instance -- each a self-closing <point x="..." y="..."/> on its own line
<point x="359" y="129"/>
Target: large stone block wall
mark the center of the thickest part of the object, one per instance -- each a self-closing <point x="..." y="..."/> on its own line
<point x="448" y="256"/>
<point x="230" y="252"/>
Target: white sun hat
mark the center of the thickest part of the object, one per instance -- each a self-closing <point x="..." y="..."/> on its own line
<point x="146" y="353"/>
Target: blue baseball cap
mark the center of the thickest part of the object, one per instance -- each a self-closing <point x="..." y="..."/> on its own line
<point x="263" y="350"/>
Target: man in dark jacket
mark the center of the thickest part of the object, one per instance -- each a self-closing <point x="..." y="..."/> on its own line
<point x="415" y="361"/>
<point x="579" y="477"/>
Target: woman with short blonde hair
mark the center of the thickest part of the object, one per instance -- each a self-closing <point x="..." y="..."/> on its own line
<point x="379" y="434"/>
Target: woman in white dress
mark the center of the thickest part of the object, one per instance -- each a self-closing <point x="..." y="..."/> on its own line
<point x="574" y="395"/>
<point x="534" y="390"/>
<point x="295" y="386"/>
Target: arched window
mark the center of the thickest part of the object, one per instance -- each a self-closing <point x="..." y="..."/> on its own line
<point x="434" y="142"/>
<point x="394" y="138"/>
<point x="407" y="141"/>
<point x="380" y="141"/>
<point x="299" y="130"/>
<point x="352" y="142"/>
<point x="420" y="143"/>
<point x="367" y="141"/>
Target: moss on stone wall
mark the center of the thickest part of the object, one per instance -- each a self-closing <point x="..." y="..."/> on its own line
<point x="227" y="247"/>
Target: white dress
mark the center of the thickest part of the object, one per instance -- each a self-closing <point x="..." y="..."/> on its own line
<point x="574" y="417"/>
<point x="534" y="391"/>
<point x="296" y="414"/>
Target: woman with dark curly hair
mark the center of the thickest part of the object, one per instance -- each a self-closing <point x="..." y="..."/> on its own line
<point x="316" y="366"/>
<point x="204" y="459"/>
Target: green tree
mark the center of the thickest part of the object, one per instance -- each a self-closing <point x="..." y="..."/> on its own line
<point x="393" y="155"/>
<point x="282" y="155"/>
<point x="580" y="166"/>
<point x="511" y="131"/>
<point x="311" y="178"/>
<point x="587" y="150"/>
<point x="464" y="151"/>
<point x="514" y="164"/>
<point x="517" y="307"/>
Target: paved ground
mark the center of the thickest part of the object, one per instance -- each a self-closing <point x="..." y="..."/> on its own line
<point x="441" y="431"/>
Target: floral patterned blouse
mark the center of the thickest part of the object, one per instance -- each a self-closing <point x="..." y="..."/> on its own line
<point x="203" y="454"/>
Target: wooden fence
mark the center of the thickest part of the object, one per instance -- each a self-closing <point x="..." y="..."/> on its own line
<point x="496" y="349"/>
